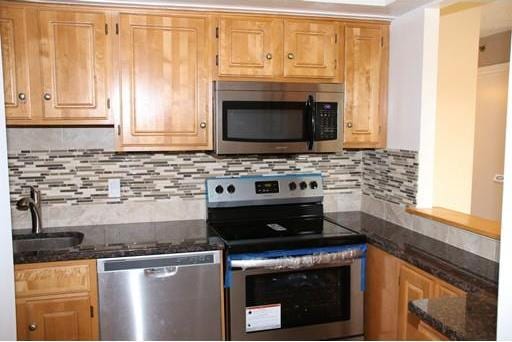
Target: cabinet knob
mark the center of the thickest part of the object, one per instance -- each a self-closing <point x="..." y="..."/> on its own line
<point x="291" y="55"/>
<point x="32" y="326"/>
<point x="268" y="56"/>
<point x="22" y="96"/>
<point x="47" y="96"/>
<point x="202" y="124"/>
<point x="349" y="124"/>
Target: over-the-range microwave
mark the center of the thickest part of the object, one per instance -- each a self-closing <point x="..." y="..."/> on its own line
<point x="266" y="117"/>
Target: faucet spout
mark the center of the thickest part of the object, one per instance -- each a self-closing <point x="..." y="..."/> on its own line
<point x="32" y="203"/>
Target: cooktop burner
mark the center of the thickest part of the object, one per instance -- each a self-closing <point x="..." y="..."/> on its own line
<point x="271" y="212"/>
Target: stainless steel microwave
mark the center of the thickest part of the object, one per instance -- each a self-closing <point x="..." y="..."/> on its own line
<point x="265" y="117"/>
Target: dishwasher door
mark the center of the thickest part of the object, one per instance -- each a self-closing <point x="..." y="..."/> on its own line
<point x="162" y="297"/>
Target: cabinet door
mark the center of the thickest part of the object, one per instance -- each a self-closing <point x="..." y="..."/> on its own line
<point x="13" y="35"/>
<point x="75" y="56"/>
<point x="444" y="289"/>
<point x="413" y="284"/>
<point x="310" y="49"/>
<point x="250" y="46"/>
<point x="66" y="318"/>
<point x="381" y="295"/>
<point x="365" y="86"/>
<point x="166" y="84"/>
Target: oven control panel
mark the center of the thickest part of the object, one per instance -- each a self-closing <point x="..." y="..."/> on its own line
<point x="326" y="121"/>
<point x="263" y="190"/>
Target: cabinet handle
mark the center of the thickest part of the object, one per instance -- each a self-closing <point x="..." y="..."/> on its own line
<point x="349" y="124"/>
<point x="32" y="326"/>
<point x="22" y="96"/>
<point x="291" y="55"/>
<point x="202" y="124"/>
<point x="47" y="96"/>
<point x="268" y="56"/>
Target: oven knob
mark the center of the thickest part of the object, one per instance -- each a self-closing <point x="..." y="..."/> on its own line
<point x="303" y="185"/>
<point x="231" y="188"/>
<point x="313" y="185"/>
<point x="292" y="186"/>
<point x="219" y="189"/>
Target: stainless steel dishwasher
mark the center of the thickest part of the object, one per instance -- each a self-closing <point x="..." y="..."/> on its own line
<point x="161" y="297"/>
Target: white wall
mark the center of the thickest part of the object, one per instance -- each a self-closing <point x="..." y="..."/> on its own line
<point x="412" y="91"/>
<point x="7" y="310"/>
<point x="505" y="276"/>
<point x="459" y="33"/>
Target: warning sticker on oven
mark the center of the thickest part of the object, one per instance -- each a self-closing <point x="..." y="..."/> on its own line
<point x="263" y="317"/>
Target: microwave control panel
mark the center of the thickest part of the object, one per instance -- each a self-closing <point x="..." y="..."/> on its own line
<point x="326" y="121"/>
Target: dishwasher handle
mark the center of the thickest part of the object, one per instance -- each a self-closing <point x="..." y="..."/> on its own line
<point x="161" y="272"/>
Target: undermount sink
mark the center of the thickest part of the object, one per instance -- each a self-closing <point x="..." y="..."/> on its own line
<point x="46" y="241"/>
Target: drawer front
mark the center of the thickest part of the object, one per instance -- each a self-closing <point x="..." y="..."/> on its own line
<point x="53" y="278"/>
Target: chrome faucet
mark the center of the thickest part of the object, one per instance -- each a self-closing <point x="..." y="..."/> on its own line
<point x="34" y="204"/>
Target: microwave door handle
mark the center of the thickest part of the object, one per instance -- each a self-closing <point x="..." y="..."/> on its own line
<point x="310" y="105"/>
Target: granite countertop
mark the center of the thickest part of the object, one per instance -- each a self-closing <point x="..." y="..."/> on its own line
<point x="473" y="317"/>
<point x="469" y="318"/>
<point x="122" y="240"/>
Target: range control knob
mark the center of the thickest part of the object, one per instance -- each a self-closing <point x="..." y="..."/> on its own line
<point x="292" y="186"/>
<point x="313" y="185"/>
<point x="303" y="185"/>
<point x="219" y="189"/>
<point x="231" y="188"/>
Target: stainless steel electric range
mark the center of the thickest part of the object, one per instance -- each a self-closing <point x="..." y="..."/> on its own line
<point x="289" y="273"/>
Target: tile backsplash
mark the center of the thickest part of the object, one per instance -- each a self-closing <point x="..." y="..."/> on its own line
<point x="72" y="167"/>
<point x="76" y="177"/>
<point x="390" y="175"/>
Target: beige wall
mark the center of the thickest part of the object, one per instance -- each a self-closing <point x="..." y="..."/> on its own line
<point x="491" y="111"/>
<point x="455" y="119"/>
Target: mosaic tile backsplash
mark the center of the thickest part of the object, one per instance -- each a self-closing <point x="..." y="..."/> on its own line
<point x="72" y="177"/>
<point x="390" y="175"/>
<point x="81" y="176"/>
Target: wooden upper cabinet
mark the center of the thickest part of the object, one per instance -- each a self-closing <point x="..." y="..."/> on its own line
<point x="249" y="46"/>
<point x="165" y="81"/>
<point x="310" y="49"/>
<point x="366" y="58"/>
<point x="13" y="33"/>
<point x="74" y="58"/>
<point x="413" y="284"/>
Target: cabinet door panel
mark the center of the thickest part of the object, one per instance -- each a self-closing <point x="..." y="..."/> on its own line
<point x="413" y="285"/>
<point x="66" y="318"/>
<point x="381" y="295"/>
<point x="15" y="63"/>
<point x="364" y="83"/>
<point x="249" y="46"/>
<point x="165" y="82"/>
<point x="74" y="61"/>
<point x="310" y="49"/>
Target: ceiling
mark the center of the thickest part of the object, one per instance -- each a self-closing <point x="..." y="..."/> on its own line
<point x="381" y="9"/>
<point x="496" y="17"/>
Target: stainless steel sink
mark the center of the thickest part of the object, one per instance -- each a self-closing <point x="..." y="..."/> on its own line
<point x="46" y="241"/>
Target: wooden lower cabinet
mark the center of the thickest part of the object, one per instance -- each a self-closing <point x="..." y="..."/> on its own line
<point x="390" y="285"/>
<point x="57" y="301"/>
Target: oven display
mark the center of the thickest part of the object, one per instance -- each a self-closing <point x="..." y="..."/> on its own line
<point x="267" y="187"/>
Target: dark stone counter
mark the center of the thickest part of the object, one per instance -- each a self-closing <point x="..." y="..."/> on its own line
<point x="122" y="240"/>
<point x="473" y="317"/>
<point x="470" y="318"/>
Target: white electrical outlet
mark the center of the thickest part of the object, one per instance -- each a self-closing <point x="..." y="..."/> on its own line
<point x="114" y="188"/>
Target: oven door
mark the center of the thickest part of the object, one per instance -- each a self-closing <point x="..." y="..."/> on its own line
<point x="324" y="302"/>
<point x="259" y="117"/>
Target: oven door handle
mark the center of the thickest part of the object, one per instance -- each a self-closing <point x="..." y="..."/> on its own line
<point x="310" y="110"/>
<point x="295" y="263"/>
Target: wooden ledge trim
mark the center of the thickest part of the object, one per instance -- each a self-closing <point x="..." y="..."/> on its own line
<point x="475" y="224"/>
